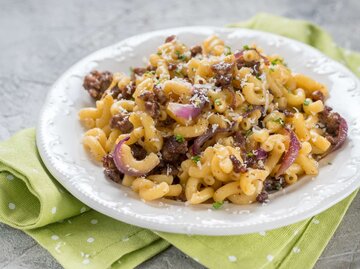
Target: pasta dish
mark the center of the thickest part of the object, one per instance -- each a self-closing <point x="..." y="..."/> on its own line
<point x="209" y="124"/>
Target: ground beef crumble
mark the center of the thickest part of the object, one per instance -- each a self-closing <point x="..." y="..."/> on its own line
<point x="223" y="73"/>
<point x="195" y="51"/>
<point x="151" y="105"/>
<point x="110" y="169"/>
<point x="122" y="123"/>
<point x="174" y="150"/>
<point x="138" y="152"/>
<point x="96" y="83"/>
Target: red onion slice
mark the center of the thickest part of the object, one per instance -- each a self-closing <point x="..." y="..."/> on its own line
<point x="120" y="160"/>
<point x="342" y="134"/>
<point x="183" y="112"/>
<point x="340" y="138"/>
<point x="200" y="140"/>
<point x="260" y="154"/>
<point x="239" y="56"/>
<point x="290" y="154"/>
<point x="247" y="113"/>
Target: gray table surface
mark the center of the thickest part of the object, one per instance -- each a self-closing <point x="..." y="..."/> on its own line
<point x="40" y="39"/>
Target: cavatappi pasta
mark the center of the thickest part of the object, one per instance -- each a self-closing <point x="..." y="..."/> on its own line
<point x="207" y="124"/>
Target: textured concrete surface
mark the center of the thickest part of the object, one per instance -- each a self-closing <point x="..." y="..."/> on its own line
<point x="40" y="39"/>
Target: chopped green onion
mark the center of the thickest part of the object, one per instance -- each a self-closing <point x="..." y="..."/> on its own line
<point x="180" y="56"/>
<point x="307" y="102"/>
<point x="178" y="74"/>
<point x="195" y="159"/>
<point x="280" y="121"/>
<point x="218" y="102"/>
<point x="159" y="53"/>
<point x="228" y="52"/>
<point x="276" y="61"/>
<point x="179" y="138"/>
<point x="249" y="154"/>
<point x="246" y="47"/>
<point x="248" y="133"/>
<point x="150" y="73"/>
<point x="217" y="205"/>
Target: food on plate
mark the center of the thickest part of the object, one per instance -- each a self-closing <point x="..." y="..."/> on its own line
<point x="209" y="124"/>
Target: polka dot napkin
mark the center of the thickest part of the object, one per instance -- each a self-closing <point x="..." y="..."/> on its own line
<point x="78" y="237"/>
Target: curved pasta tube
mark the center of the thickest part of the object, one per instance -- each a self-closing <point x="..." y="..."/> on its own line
<point x="201" y="196"/>
<point x="242" y="199"/>
<point x="155" y="192"/>
<point x="192" y="186"/>
<point x="94" y="141"/>
<point x="147" y="164"/>
<point x="274" y="158"/>
<point x="307" y="163"/>
<point x="271" y="141"/>
<point x="291" y="174"/>
<point x="94" y="147"/>
<point x="111" y="141"/>
<point x="122" y="106"/>
<point x="174" y="190"/>
<point x="300" y="127"/>
<point x="314" y="107"/>
<point x="177" y="87"/>
<point x="162" y="70"/>
<point x="253" y="96"/>
<point x="194" y="130"/>
<point x="105" y="117"/>
<point x="192" y="66"/>
<point x="213" y="45"/>
<point x="153" y="139"/>
<point x="161" y="178"/>
<point x="310" y="85"/>
<point x="296" y="98"/>
<point x="248" y="179"/>
<point x="127" y="180"/>
<point x="226" y="190"/>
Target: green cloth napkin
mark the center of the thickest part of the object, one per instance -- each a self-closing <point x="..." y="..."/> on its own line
<point x="78" y="237"/>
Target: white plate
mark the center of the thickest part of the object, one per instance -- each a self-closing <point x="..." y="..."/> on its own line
<point x="59" y="136"/>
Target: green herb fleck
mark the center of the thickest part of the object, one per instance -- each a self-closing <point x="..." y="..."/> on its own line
<point x="248" y="133"/>
<point x="148" y="73"/>
<point x="280" y="121"/>
<point x="179" y="138"/>
<point x="180" y="56"/>
<point x="276" y="61"/>
<point x="228" y="51"/>
<point x="246" y="47"/>
<point x="195" y="159"/>
<point x="159" y="53"/>
<point x="178" y="74"/>
<point x="218" y="102"/>
<point x="307" y="102"/>
<point x="249" y="108"/>
<point x="217" y="205"/>
<point x="258" y="77"/>
<point x="249" y="154"/>
<point x="278" y="186"/>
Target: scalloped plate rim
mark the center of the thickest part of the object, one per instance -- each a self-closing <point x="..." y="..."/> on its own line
<point x="168" y="226"/>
